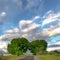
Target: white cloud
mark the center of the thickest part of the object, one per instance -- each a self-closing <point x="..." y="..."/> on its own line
<point x="36" y="17"/>
<point x="51" y="17"/>
<point x="27" y="22"/>
<point x="3" y="46"/>
<point x="51" y="32"/>
<point x="57" y="42"/>
<point x="33" y="30"/>
<point x="23" y="22"/>
<point x="56" y="31"/>
<point x="30" y="30"/>
<point x="3" y="14"/>
<point x="31" y="27"/>
<point x="15" y="30"/>
<point x="26" y="26"/>
<point x="53" y="49"/>
<point x="59" y="23"/>
<point x="9" y="36"/>
<point x="48" y="13"/>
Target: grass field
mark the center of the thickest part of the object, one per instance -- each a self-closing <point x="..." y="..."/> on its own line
<point x="11" y="57"/>
<point x="49" y="57"/>
<point x="41" y="57"/>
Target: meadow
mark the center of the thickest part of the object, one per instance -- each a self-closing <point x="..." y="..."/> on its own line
<point x="41" y="57"/>
<point x="10" y="57"/>
<point x="49" y="57"/>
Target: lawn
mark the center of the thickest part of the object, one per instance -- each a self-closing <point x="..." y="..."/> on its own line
<point x="11" y="57"/>
<point x="49" y="57"/>
<point x="41" y="57"/>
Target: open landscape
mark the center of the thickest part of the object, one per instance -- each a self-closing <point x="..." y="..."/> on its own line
<point x="29" y="29"/>
<point x="40" y="57"/>
<point x="49" y="57"/>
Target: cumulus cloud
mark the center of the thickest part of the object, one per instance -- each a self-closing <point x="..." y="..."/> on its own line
<point x="27" y="22"/>
<point x="9" y="36"/>
<point x="25" y="26"/>
<point x="22" y="22"/>
<point x="56" y="31"/>
<point x="15" y="30"/>
<point x="32" y="30"/>
<point x="31" y="27"/>
<point x="3" y="47"/>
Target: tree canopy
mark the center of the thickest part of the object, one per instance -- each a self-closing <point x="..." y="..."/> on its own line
<point x="37" y="46"/>
<point x="18" y="46"/>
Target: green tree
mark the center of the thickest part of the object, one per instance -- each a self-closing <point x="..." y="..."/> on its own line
<point x="38" y="45"/>
<point x="18" y="46"/>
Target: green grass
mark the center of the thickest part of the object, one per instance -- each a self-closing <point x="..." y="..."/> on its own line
<point x="41" y="57"/>
<point x="49" y="57"/>
<point x="11" y="57"/>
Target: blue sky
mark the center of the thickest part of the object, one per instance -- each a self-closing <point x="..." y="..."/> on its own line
<point x="33" y="19"/>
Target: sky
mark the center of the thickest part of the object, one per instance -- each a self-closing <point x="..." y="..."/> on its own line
<point x="32" y="19"/>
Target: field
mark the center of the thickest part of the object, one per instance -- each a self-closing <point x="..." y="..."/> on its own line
<point x="49" y="57"/>
<point x="41" y="57"/>
<point x="11" y="57"/>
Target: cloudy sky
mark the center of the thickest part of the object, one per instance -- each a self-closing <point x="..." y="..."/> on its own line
<point x="32" y="19"/>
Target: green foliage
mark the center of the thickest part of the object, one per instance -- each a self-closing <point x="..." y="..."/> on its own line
<point x="38" y="45"/>
<point x="18" y="46"/>
<point x="54" y="52"/>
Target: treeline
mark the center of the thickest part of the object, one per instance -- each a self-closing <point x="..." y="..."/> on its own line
<point x="18" y="46"/>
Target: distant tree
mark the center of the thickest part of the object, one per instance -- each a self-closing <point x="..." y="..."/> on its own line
<point x="37" y="46"/>
<point x="54" y="52"/>
<point x="18" y="46"/>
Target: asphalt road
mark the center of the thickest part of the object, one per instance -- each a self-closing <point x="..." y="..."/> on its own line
<point x="29" y="58"/>
<point x="2" y="59"/>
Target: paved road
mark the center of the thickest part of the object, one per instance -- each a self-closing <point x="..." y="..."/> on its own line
<point x="35" y="58"/>
<point x="2" y="59"/>
<point x="29" y="58"/>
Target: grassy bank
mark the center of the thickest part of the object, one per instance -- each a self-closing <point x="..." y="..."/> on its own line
<point x="49" y="57"/>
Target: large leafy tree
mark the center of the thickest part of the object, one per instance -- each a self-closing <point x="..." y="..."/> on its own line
<point x="37" y="46"/>
<point x="18" y="46"/>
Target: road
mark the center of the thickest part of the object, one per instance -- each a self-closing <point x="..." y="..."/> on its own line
<point x="29" y="58"/>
